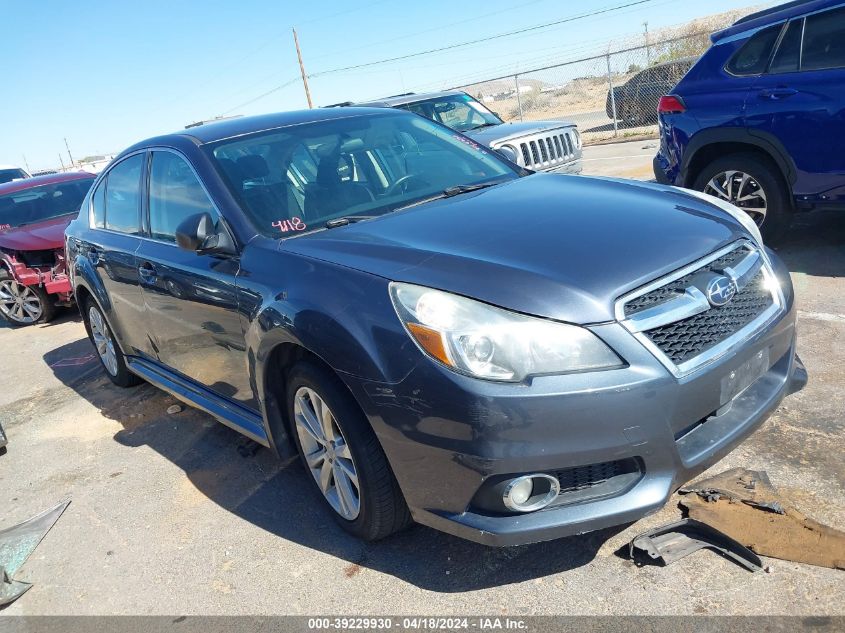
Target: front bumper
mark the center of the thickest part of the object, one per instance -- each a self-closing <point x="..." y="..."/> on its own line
<point x="447" y="435"/>
<point x="54" y="280"/>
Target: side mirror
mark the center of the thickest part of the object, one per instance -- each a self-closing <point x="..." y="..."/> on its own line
<point x="197" y="233"/>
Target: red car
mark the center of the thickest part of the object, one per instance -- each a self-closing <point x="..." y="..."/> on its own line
<point x="33" y="215"/>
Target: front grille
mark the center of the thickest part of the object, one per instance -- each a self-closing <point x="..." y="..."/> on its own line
<point x="670" y="290"/>
<point x="547" y="151"/>
<point x="684" y="337"/>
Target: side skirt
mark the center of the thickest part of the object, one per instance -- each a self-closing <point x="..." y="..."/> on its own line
<point x="226" y="411"/>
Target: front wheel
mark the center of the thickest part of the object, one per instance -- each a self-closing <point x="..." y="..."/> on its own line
<point x="342" y="455"/>
<point x="752" y="184"/>
<point x="24" y="305"/>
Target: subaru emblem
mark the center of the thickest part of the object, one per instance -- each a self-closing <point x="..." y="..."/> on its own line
<point x="720" y="290"/>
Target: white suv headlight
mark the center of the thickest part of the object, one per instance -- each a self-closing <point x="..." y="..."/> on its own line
<point x="488" y="342"/>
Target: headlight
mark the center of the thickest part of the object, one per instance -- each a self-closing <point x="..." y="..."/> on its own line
<point x="487" y="342"/>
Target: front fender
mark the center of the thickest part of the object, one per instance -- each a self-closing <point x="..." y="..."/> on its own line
<point x="354" y="332"/>
<point x="340" y="315"/>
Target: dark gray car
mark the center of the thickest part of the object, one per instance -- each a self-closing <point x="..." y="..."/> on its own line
<point x="441" y="335"/>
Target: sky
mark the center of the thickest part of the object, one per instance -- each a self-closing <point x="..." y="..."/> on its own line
<point x="105" y="75"/>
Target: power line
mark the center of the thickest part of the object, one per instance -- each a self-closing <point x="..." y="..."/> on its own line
<point x="261" y="96"/>
<point x="439" y="27"/>
<point x="251" y="54"/>
<point x="478" y="41"/>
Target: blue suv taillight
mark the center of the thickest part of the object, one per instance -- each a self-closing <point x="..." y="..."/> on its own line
<point x="671" y="104"/>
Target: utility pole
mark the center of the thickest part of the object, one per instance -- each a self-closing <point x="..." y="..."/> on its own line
<point x="302" y="70"/>
<point x="26" y="164"/>
<point x="61" y="161"/>
<point x="647" y="47"/>
<point x="68" y="153"/>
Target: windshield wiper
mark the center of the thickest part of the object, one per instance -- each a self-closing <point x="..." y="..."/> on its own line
<point x="347" y="219"/>
<point x="449" y="192"/>
<point x="459" y="189"/>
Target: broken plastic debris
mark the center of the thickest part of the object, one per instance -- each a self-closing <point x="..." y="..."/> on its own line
<point x="672" y="542"/>
<point x="16" y="544"/>
<point x="750" y="510"/>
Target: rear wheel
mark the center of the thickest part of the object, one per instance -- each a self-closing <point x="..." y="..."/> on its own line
<point x="752" y="184"/>
<point x="107" y="348"/>
<point x="24" y="305"/>
<point x="342" y="455"/>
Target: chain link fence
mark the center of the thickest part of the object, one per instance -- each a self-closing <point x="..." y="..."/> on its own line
<point x="607" y="96"/>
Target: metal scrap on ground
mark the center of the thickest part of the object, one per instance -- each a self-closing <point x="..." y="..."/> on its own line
<point x="744" y="505"/>
<point x="16" y="544"/>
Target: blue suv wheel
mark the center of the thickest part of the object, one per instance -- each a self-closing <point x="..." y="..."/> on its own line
<point x="752" y="183"/>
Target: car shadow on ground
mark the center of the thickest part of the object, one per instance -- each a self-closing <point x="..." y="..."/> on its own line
<point x="250" y="482"/>
<point x="815" y="244"/>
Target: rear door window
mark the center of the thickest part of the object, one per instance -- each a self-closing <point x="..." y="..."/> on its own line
<point x="788" y="55"/>
<point x="824" y="41"/>
<point x="123" y="196"/>
<point x="754" y="55"/>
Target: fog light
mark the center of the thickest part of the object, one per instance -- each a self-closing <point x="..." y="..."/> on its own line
<point x="520" y="492"/>
<point x="530" y="492"/>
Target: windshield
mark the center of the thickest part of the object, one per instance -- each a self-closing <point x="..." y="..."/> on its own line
<point x="295" y="179"/>
<point x="459" y="112"/>
<point x="8" y="175"/>
<point x="42" y="203"/>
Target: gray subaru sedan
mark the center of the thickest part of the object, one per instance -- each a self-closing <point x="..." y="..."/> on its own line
<point x="441" y="335"/>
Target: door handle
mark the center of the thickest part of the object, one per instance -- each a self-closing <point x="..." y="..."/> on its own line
<point x="777" y="93"/>
<point x="147" y="272"/>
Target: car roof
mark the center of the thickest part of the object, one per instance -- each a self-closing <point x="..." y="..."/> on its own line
<point x="773" y="15"/>
<point x="49" y="179"/>
<point x="218" y="131"/>
<point x="409" y="97"/>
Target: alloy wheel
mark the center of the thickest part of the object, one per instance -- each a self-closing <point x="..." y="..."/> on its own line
<point x="20" y="303"/>
<point x="741" y="190"/>
<point x="103" y="340"/>
<point x="326" y="453"/>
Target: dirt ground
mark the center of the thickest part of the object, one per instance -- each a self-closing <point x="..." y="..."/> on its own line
<point x="179" y="514"/>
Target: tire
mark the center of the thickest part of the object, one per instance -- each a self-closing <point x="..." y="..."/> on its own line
<point x="37" y="305"/>
<point x="107" y="349"/>
<point x="381" y="508"/>
<point x="765" y="176"/>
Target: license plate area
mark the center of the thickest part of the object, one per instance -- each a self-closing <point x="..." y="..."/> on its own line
<point x="741" y="378"/>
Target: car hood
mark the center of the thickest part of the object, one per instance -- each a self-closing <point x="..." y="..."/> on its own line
<point x="42" y="236"/>
<point x="563" y="247"/>
<point x="509" y="131"/>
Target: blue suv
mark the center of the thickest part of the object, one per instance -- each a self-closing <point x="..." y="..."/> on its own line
<point x="760" y="119"/>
